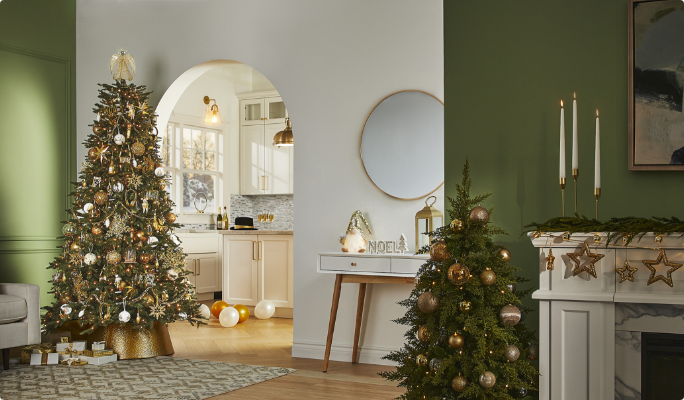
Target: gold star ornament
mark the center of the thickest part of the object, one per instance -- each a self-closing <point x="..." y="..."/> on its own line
<point x="591" y="268"/>
<point x="651" y="265"/>
<point x="626" y="272"/>
<point x="549" y="260"/>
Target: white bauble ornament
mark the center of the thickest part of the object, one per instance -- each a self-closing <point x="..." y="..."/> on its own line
<point x="124" y="316"/>
<point x="66" y="309"/>
<point x="229" y="317"/>
<point x="159" y="171"/>
<point x="87" y="207"/>
<point x="354" y="242"/>
<point x="182" y="316"/>
<point x="264" y="309"/>
<point x="80" y="314"/>
<point x="119" y="139"/>
<point x="118" y="187"/>
<point x="90" y="259"/>
<point x="172" y="273"/>
<point x="107" y="222"/>
<point x="205" y="312"/>
<point x="152" y="241"/>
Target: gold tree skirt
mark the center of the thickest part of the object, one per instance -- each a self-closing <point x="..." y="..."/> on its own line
<point x="130" y="343"/>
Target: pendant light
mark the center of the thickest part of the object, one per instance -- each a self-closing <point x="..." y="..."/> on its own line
<point x="284" y="137"/>
<point x="212" y="116"/>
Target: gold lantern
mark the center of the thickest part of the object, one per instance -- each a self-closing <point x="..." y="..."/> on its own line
<point x="427" y="220"/>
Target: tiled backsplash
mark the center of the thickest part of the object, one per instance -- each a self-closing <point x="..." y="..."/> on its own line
<point x="281" y="206"/>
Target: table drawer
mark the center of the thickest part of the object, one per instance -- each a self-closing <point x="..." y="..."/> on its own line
<point x="406" y="265"/>
<point x="355" y="264"/>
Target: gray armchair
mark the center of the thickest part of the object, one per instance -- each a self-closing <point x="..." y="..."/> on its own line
<point x="19" y="317"/>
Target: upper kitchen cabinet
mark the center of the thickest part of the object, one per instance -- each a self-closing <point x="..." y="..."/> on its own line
<point x="260" y="108"/>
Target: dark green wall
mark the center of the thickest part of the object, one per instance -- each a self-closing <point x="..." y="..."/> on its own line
<point x="507" y="66"/>
<point x="37" y="114"/>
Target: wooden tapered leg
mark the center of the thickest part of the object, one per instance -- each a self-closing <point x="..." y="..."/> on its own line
<point x="5" y="358"/>
<point x="359" y="315"/>
<point x="333" y="317"/>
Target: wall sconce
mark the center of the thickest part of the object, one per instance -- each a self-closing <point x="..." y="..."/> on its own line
<point x="284" y="137"/>
<point x="212" y="116"/>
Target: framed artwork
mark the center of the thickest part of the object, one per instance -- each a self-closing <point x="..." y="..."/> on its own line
<point x="656" y="85"/>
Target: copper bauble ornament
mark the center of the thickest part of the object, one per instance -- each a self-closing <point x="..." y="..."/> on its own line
<point x="171" y="217"/>
<point x="148" y="299"/>
<point x="144" y="258"/>
<point x="101" y="197"/>
<point x="423" y="334"/>
<point x="511" y="353"/>
<point x="140" y="236"/>
<point x="96" y="230"/>
<point x="243" y="311"/>
<point x="75" y="247"/>
<point x="504" y="253"/>
<point x="459" y="383"/>
<point x="217" y="307"/>
<point x="428" y="302"/>
<point x="96" y="129"/>
<point x="138" y="148"/>
<point x="487" y="277"/>
<point x="479" y="214"/>
<point x="113" y="257"/>
<point x="92" y="154"/>
<point x="465" y="306"/>
<point x="458" y="273"/>
<point x="457" y="225"/>
<point x="435" y="363"/>
<point x="421" y="360"/>
<point x="456" y="341"/>
<point x="439" y="251"/>
<point x="487" y="380"/>
<point x="510" y="315"/>
<point x="533" y="352"/>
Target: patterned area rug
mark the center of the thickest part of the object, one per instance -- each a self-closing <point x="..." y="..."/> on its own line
<point x="165" y="378"/>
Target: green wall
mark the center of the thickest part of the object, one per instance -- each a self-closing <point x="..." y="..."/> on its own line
<point x="37" y="113"/>
<point x="507" y="66"/>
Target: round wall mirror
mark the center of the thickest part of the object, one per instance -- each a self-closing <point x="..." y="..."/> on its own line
<point x="402" y="145"/>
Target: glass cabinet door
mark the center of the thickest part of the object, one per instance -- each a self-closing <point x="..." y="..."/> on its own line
<point x="252" y="112"/>
<point x="274" y="110"/>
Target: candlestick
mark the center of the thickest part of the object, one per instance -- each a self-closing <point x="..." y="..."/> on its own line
<point x="597" y="194"/>
<point x="562" y="185"/>
<point x="575" y="146"/>
<point x="575" y="175"/>
<point x="561" y="168"/>
<point x="597" y="154"/>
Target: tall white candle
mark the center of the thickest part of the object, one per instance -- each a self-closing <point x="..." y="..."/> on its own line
<point x="597" y="155"/>
<point x="575" y="146"/>
<point x="562" y="142"/>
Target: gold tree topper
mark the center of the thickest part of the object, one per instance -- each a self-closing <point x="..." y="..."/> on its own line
<point x="122" y="65"/>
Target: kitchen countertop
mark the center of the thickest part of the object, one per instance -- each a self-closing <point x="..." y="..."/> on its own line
<point x="256" y="232"/>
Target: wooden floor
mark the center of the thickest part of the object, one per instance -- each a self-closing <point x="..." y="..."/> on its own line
<point x="269" y="343"/>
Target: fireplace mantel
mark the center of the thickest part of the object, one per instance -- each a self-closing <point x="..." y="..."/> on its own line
<point x="577" y="313"/>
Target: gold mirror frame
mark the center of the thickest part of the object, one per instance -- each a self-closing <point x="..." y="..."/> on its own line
<point x="361" y="142"/>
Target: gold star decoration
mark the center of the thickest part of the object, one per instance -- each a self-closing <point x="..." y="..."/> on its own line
<point x="549" y="260"/>
<point x="99" y="152"/>
<point x="134" y="181"/>
<point x="651" y="265"/>
<point x="157" y="310"/>
<point x="591" y="268"/>
<point x="626" y="272"/>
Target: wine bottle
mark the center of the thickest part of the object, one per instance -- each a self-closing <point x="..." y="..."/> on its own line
<point x="225" y="219"/>
<point x="219" y="220"/>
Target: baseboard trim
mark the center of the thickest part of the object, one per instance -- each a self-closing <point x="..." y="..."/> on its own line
<point x="367" y="354"/>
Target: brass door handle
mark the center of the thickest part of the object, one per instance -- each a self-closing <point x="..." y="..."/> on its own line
<point x="259" y="251"/>
<point x="265" y="182"/>
<point x="199" y="267"/>
<point x="353" y="264"/>
<point x="253" y="246"/>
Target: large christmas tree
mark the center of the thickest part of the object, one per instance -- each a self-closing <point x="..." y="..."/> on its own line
<point x="465" y="341"/>
<point x="121" y="261"/>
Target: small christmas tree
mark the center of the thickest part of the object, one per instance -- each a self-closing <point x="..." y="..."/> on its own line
<point x="120" y="255"/>
<point x="402" y="246"/>
<point x="465" y="341"/>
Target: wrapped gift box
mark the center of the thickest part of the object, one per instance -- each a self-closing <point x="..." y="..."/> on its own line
<point x="71" y="350"/>
<point x="98" y="346"/>
<point x="99" y="360"/>
<point x="98" y="353"/>
<point x="44" y="359"/>
<point x="27" y="351"/>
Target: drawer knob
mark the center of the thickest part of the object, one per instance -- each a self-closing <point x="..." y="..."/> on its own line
<point x="353" y="264"/>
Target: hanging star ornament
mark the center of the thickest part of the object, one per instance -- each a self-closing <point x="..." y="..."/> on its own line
<point x="100" y="152"/>
<point x="651" y="265"/>
<point x="549" y="260"/>
<point x="626" y="272"/>
<point x="591" y="268"/>
<point x="157" y="310"/>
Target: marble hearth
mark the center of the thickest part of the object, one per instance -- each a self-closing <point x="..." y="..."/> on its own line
<point x="590" y="328"/>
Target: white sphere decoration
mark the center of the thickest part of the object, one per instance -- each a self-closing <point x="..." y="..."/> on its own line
<point x="119" y="139"/>
<point x="229" y="317"/>
<point x="205" y="312"/>
<point x="159" y="171"/>
<point x="182" y="316"/>
<point x="124" y="316"/>
<point x="66" y="309"/>
<point x="152" y="241"/>
<point x="172" y="273"/>
<point x="264" y="309"/>
<point x="90" y="259"/>
<point x="118" y="187"/>
<point x="87" y="207"/>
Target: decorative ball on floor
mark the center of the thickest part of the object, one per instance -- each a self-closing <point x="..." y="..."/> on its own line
<point x="510" y="315"/>
<point x="423" y="334"/>
<point x="229" y="317"/>
<point x="457" y="225"/>
<point x="487" y="379"/>
<point x="533" y="352"/>
<point x="217" y="307"/>
<point x="459" y="383"/>
<point x="504" y="253"/>
<point x="264" y="309"/>
<point x="479" y="214"/>
<point x="439" y="251"/>
<point x="487" y="277"/>
<point x="428" y="302"/>
<point x="458" y="273"/>
<point x="456" y="341"/>
<point x="205" y="312"/>
<point x="421" y="360"/>
<point x="244" y="312"/>
<point x="511" y="353"/>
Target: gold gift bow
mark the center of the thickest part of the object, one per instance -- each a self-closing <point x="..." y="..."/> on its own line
<point x="71" y="352"/>
<point x="74" y="361"/>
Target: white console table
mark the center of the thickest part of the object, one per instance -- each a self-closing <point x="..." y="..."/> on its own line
<point x="364" y="268"/>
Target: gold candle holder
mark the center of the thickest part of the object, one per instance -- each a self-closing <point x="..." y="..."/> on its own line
<point x="597" y="194"/>
<point x="562" y="185"/>
<point x="575" y="174"/>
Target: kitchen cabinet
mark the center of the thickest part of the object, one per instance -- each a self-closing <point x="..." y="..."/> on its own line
<point x="257" y="108"/>
<point x="202" y="260"/>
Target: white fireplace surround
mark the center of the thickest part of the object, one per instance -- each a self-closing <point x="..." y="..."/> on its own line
<point x="590" y="328"/>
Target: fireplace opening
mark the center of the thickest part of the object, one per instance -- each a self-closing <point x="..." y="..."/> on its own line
<point x="662" y="363"/>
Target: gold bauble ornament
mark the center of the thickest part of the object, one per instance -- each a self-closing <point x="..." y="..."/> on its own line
<point x="479" y="214"/>
<point x="504" y="253"/>
<point x="458" y="273"/>
<point x="171" y="217"/>
<point x="217" y="307"/>
<point x="243" y="311"/>
<point x="511" y="353"/>
<point x="423" y="334"/>
<point x="487" y="277"/>
<point x="138" y="148"/>
<point x="510" y="315"/>
<point x="459" y="383"/>
<point x="75" y="247"/>
<point x="144" y="258"/>
<point x="101" y="197"/>
<point x="148" y="299"/>
<point x="162" y="185"/>
<point x="113" y="257"/>
<point x="457" y="225"/>
<point x="140" y="236"/>
<point x="96" y="230"/>
<point x="122" y="285"/>
<point x="97" y="130"/>
<point x="428" y="302"/>
<point x="456" y="341"/>
<point x="92" y="154"/>
<point x="421" y="360"/>
<point x="439" y="251"/>
<point x="465" y="306"/>
<point x="164" y="297"/>
<point x="487" y="380"/>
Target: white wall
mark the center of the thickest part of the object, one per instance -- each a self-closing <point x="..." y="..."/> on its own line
<point x="331" y="62"/>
